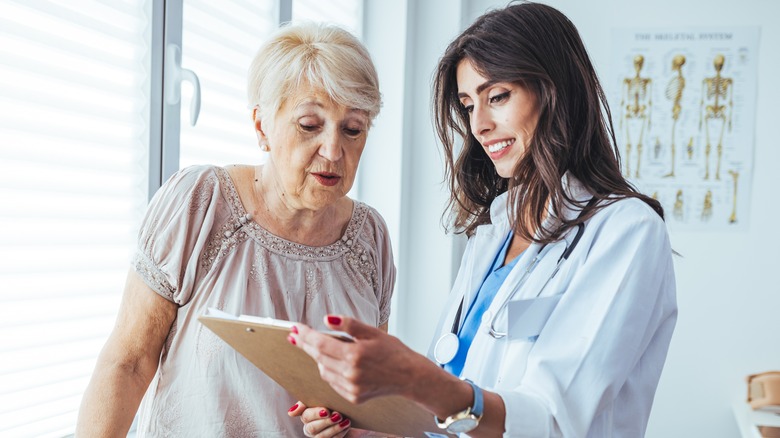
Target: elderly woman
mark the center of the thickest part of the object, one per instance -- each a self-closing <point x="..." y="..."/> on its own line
<point x="280" y="240"/>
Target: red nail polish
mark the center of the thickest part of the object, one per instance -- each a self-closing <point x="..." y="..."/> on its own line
<point x="336" y="417"/>
<point x="323" y="413"/>
<point x="294" y="329"/>
<point x="291" y="339"/>
<point x="344" y="423"/>
<point x="334" y="320"/>
<point x="294" y="407"/>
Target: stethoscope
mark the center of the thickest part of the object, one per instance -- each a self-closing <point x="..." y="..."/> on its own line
<point x="446" y="347"/>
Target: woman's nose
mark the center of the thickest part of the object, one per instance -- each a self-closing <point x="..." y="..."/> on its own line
<point x="330" y="148"/>
<point x="481" y="121"/>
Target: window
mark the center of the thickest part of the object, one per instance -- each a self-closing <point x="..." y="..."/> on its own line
<point x="218" y="44"/>
<point x="75" y="129"/>
<point x="74" y="111"/>
<point x="345" y="13"/>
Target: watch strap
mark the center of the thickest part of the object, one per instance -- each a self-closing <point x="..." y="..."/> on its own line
<point x="478" y="405"/>
<point x="475" y="410"/>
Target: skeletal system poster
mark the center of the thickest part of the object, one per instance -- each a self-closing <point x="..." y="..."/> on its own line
<point x="683" y="104"/>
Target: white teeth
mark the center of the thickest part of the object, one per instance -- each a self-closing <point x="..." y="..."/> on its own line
<point x="500" y="145"/>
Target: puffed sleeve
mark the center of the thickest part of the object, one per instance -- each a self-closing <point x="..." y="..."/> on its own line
<point x="174" y="232"/>
<point x="613" y="323"/>
<point x="385" y="265"/>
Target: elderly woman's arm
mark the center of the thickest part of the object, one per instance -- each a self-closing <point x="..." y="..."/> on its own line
<point x="127" y="362"/>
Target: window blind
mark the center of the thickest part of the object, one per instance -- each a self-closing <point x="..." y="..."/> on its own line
<point x="345" y="13"/>
<point x="218" y="43"/>
<point x="73" y="175"/>
<point x="74" y="114"/>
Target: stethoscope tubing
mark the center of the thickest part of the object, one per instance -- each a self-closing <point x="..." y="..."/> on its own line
<point x="564" y="256"/>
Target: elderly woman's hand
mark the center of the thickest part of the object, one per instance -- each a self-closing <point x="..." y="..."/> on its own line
<point x="320" y="422"/>
<point x="375" y="364"/>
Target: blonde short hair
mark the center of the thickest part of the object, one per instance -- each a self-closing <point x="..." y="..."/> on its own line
<point x="320" y="55"/>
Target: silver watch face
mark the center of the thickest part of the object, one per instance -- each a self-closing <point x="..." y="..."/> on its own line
<point x="463" y="425"/>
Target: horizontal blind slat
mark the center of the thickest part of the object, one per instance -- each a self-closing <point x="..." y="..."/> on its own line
<point x="44" y="375"/>
<point x="32" y="23"/>
<point x="252" y="16"/>
<point x="115" y="19"/>
<point x="35" y="56"/>
<point x="15" y="361"/>
<point x="22" y="287"/>
<point x="79" y="312"/>
<point x="36" y="420"/>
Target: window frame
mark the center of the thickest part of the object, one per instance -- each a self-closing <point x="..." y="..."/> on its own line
<point x="165" y="117"/>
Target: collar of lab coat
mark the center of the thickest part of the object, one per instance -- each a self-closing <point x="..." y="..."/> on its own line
<point x="489" y="238"/>
<point x="499" y="219"/>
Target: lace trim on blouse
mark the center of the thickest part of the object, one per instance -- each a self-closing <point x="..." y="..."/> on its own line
<point x="232" y="233"/>
<point x="153" y="275"/>
<point x="237" y="229"/>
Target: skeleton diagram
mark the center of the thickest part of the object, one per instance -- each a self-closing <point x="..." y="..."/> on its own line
<point x="678" y="205"/>
<point x="734" y="176"/>
<point x="638" y="92"/>
<point x="714" y="90"/>
<point x="674" y="92"/>
<point x="706" y="209"/>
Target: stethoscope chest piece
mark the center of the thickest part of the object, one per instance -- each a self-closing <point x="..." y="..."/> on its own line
<point x="446" y="348"/>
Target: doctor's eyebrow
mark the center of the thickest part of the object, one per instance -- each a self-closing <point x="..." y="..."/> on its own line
<point x="480" y="89"/>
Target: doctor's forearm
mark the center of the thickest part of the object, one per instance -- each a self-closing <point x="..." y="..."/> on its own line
<point x="444" y="394"/>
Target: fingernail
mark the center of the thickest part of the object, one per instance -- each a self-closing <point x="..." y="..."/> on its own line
<point x="344" y="423"/>
<point x="294" y="407"/>
<point x="323" y="413"/>
<point x="291" y="339"/>
<point x="336" y="417"/>
<point x="334" y="320"/>
<point x="294" y="329"/>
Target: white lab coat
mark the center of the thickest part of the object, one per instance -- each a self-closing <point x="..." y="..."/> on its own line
<point x="594" y="368"/>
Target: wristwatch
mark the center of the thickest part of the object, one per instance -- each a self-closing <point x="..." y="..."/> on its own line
<point x="465" y="420"/>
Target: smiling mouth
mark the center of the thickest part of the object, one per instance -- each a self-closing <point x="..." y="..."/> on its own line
<point x="327" y="178"/>
<point x="500" y="146"/>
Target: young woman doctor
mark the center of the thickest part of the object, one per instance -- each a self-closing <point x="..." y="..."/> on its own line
<point x="561" y="315"/>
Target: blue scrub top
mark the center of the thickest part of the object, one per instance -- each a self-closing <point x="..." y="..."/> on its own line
<point x="487" y="292"/>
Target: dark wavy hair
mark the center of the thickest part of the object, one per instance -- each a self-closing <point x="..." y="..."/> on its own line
<point x="534" y="46"/>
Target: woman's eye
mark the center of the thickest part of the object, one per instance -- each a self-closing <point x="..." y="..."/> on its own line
<point x="353" y="132"/>
<point x="499" y="97"/>
<point x="468" y="108"/>
<point x="308" y="128"/>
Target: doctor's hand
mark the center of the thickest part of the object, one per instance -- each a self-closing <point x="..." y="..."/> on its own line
<point x="375" y="364"/>
<point x="320" y="422"/>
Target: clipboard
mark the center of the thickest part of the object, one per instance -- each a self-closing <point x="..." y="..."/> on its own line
<point x="265" y="345"/>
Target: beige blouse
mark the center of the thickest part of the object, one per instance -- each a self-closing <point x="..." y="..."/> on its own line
<point x="196" y="250"/>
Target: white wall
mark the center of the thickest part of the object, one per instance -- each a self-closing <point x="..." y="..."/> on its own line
<point x="379" y="175"/>
<point x="402" y="170"/>
<point x="729" y="298"/>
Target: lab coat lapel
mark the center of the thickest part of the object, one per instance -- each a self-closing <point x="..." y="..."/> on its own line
<point x="548" y="258"/>
<point x="488" y="241"/>
<point x="509" y="287"/>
